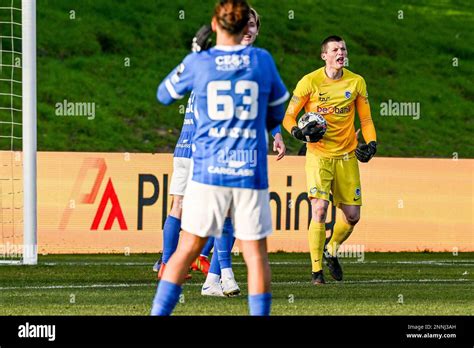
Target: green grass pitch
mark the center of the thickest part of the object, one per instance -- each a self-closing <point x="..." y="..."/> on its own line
<point x="383" y="284"/>
<point x="404" y="60"/>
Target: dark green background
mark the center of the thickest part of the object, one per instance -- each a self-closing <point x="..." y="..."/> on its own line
<point x="405" y="60"/>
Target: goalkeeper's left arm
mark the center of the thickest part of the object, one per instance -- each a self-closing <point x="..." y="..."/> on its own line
<point x="365" y="152"/>
<point x="366" y="123"/>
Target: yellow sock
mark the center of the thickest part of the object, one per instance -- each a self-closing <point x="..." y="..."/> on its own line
<point x="316" y="238"/>
<point x="342" y="231"/>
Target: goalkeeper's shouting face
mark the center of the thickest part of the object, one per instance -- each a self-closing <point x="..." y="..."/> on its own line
<point x="334" y="52"/>
<point x="253" y="26"/>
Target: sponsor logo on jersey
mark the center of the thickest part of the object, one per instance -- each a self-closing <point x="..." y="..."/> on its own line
<point x="315" y="190"/>
<point x="231" y="62"/>
<point x="235" y="132"/>
<point x="188" y="121"/>
<point x="230" y="171"/>
<point x="324" y="99"/>
<point x="183" y="145"/>
<point x="333" y="110"/>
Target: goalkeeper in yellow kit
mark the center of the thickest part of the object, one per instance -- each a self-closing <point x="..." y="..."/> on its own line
<point x="331" y="160"/>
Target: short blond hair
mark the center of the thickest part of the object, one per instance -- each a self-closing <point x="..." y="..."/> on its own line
<point x="254" y="13"/>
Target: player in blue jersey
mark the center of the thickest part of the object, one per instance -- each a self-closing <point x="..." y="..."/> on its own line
<point x="181" y="169"/>
<point x="220" y="280"/>
<point x="239" y="96"/>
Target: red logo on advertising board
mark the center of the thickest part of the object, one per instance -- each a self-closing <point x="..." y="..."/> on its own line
<point x="115" y="213"/>
<point x="90" y="198"/>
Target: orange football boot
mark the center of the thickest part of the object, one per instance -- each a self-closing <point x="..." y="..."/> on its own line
<point x="201" y="264"/>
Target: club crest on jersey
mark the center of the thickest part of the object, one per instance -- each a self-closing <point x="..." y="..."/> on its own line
<point x="357" y="192"/>
<point x="230" y="62"/>
<point x="348" y="94"/>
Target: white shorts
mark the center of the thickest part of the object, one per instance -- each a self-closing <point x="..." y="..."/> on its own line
<point x="205" y="208"/>
<point x="181" y="174"/>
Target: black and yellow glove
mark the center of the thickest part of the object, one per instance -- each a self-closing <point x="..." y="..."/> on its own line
<point x="311" y="133"/>
<point x="364" y="153"/>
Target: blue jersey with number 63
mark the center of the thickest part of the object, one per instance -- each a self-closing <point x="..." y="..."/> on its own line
<point x="234" y="88"/>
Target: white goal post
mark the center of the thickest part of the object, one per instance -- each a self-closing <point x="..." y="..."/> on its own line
<point x="18" y="219"/>
<point x="28" y="43"/>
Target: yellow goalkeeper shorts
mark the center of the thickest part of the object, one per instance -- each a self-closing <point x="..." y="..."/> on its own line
<point x="339" y="176"/>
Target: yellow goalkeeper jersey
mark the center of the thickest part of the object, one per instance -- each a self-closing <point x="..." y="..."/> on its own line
<point x="336" y="100"/>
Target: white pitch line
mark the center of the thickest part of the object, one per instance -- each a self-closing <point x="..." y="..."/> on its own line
<point x="393" y="281"/>
<point x="277" y="263"/>
<point x="89" y="286"/>
<point x="439" y="262"/>
<point x="86" y="263"/>
<point x="436" y="263"/>
<point x="125" y="285"/>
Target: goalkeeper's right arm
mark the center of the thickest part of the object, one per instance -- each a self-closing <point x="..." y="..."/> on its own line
<point x="294" y="108"/>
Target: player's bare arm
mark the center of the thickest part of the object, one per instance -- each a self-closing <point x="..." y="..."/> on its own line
<point x="279" y="146"/>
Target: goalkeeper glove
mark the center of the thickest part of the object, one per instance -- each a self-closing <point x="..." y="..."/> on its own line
<point x="365" y="152"/>
<point x="311" y="133"/>
<point x="202" y="39"/>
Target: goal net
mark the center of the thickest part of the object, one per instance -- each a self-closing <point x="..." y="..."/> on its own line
<point x="18" y="131"/>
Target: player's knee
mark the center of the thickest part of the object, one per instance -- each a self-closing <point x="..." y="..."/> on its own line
<point x="353" y="219"/>
<point x="319" y="213"/>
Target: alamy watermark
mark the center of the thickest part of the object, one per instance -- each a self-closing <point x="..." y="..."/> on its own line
<point x="351" y="251"/>
<point x="394" y="108"/>
<point x="84" y="109"/>
<point x="15" y="251"/>
<point x="28" y="330"/>
<point x="237" y="158"/>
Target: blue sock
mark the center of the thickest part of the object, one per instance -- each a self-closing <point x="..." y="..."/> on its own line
<point x="260" y="304"/>
<point x="167" y="295"/>
<point x="224" y="245"/>
<point x="208" y="247"/>
<point x="170" y="236"/>
<point x="215" y="262"/>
